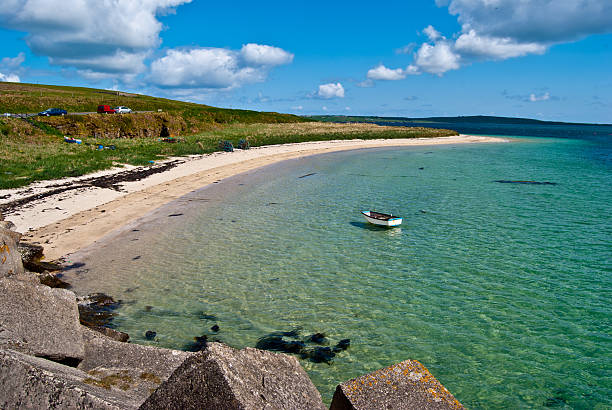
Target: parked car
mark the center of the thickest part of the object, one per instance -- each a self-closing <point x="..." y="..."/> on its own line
<point x="122" y="110"/>
<point x="7" y="114"/>
<point x="53" y="111"/>
<point x="105" y="109"/>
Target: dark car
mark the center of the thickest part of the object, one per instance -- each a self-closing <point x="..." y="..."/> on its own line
<point x="53" y="111"/>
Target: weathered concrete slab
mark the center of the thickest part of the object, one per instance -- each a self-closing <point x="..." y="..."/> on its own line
<point x="40" y="321"/>
<point x="28" y="382"/>
<point x="10" y="258"/>
<point x="141" y="368"/>
<point x="221" y="377"/>
<point x="406" y="385"/>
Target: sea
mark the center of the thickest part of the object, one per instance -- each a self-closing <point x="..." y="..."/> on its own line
<point x="499" y="280"/>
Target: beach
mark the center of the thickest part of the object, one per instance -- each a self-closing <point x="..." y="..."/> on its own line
<point x="81" y="214"/>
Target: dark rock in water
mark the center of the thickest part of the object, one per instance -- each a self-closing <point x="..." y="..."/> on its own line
<point x="148" y="308"/>
<point x="318" y="338"/>
<point x="41" y="266"/>
<point x="30" y="252"/>
<point x="52" y="281"/>
<point x="278" y="344"/>
<point x="224" y="378"/>
<point x="319" y="355"/>
<point x="502" y="181"/>
<point x="97" y="309"/>
<point x="215" y="328"/>
<point x="406" y="385"/>
<point x="205" y="316"/>
<point x="421" y="168"/>
<point x="342" y="345"/>
<point x="199" y="343"/>
<point x="150" y="335"/>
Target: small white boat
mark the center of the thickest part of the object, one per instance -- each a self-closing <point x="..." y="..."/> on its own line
<point x="377" y="218"/>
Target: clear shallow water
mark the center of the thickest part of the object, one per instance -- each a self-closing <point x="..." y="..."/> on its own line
<point x="501" y="290"/>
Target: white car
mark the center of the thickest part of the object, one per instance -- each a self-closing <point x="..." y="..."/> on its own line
<point x="7" y="114"/>
<point x="122" y="110"/>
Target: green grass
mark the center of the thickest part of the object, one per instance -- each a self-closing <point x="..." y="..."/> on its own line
<point x="39" y="156"/>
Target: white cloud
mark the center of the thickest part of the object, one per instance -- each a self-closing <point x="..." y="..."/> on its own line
<point x="381" y="72"/>
<point x="256" y="54"/>
<point x="324" y="108"/>
<point x="502" y="29"/>
<point x="472" y="44"/>
<point x="543" y="97"/>
<point x="10" y="67"/>
<point x="540" y="21"/>
<point x="94" y="36"/>
<point x="216" y="67"/>
<point x="432" y="33"/>
<point x="331" y="90"/>
<point x="297" y="108"/>
<point x="437" y="58"/>
<point x="9" y="78"/>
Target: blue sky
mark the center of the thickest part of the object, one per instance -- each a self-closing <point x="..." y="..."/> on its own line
<point x="545" y="59"/>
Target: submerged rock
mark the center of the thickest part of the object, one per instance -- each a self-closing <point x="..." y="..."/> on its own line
<point x="199" y="343"/>
<point x="342" y="345"/>
<point x="150" y="335"/>
<point x="318" y="338"/>
<point x="319" y="355"/>
<point x="215" y="328"/>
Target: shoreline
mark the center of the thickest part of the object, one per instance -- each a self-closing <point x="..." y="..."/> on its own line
<point x="76" y="215"/>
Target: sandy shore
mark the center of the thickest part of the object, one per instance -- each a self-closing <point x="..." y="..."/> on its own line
<point x="65" y="216"/>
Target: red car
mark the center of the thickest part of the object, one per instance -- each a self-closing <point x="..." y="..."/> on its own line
<point x="105" y="109"/>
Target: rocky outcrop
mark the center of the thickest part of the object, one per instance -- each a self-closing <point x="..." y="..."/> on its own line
<point x="10" y="258"/>
<point x="221" y="377"/>
<point x="40" y="321"/>
<point x="406" y="385"/>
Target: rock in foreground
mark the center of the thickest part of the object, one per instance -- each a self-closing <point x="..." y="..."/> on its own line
<point x="221" y="377"/>
<point x="406" y="385"/>
<point x="40" y="321"/>
<point x="10" y="258"/>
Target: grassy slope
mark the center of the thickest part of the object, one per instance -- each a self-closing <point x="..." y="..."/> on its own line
<point x="35" y="151"/>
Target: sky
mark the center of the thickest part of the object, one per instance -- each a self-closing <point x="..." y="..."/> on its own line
<point x="544" y="59"/>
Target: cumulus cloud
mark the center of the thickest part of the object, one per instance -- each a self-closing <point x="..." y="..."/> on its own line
<point x="112" y="36"/>
<point x="436" y="58"/>
<point x="540" y="21"/>
<point x="498" y="48"/>
<point x="502" y="29"/>
<point x="9" y="78"/>
<point x="331" y="90"/>
<point x="257" y="54"/>
<point x="10" y="67"/>
<point x="383" y="73"/>
<point x="216" y="67"/>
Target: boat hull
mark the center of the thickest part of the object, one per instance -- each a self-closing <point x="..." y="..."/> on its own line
<point x="389" y="221"/>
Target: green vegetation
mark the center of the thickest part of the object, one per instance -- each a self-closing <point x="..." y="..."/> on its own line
<point x="27" y="154"/>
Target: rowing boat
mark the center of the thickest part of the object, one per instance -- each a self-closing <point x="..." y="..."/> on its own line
<point x="381" y="219"/>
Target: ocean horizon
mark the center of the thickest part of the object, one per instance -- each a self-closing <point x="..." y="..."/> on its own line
<point x="498" y="280"/>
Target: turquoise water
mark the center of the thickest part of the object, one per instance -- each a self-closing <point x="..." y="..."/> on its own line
<point x="503" y="291"/>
